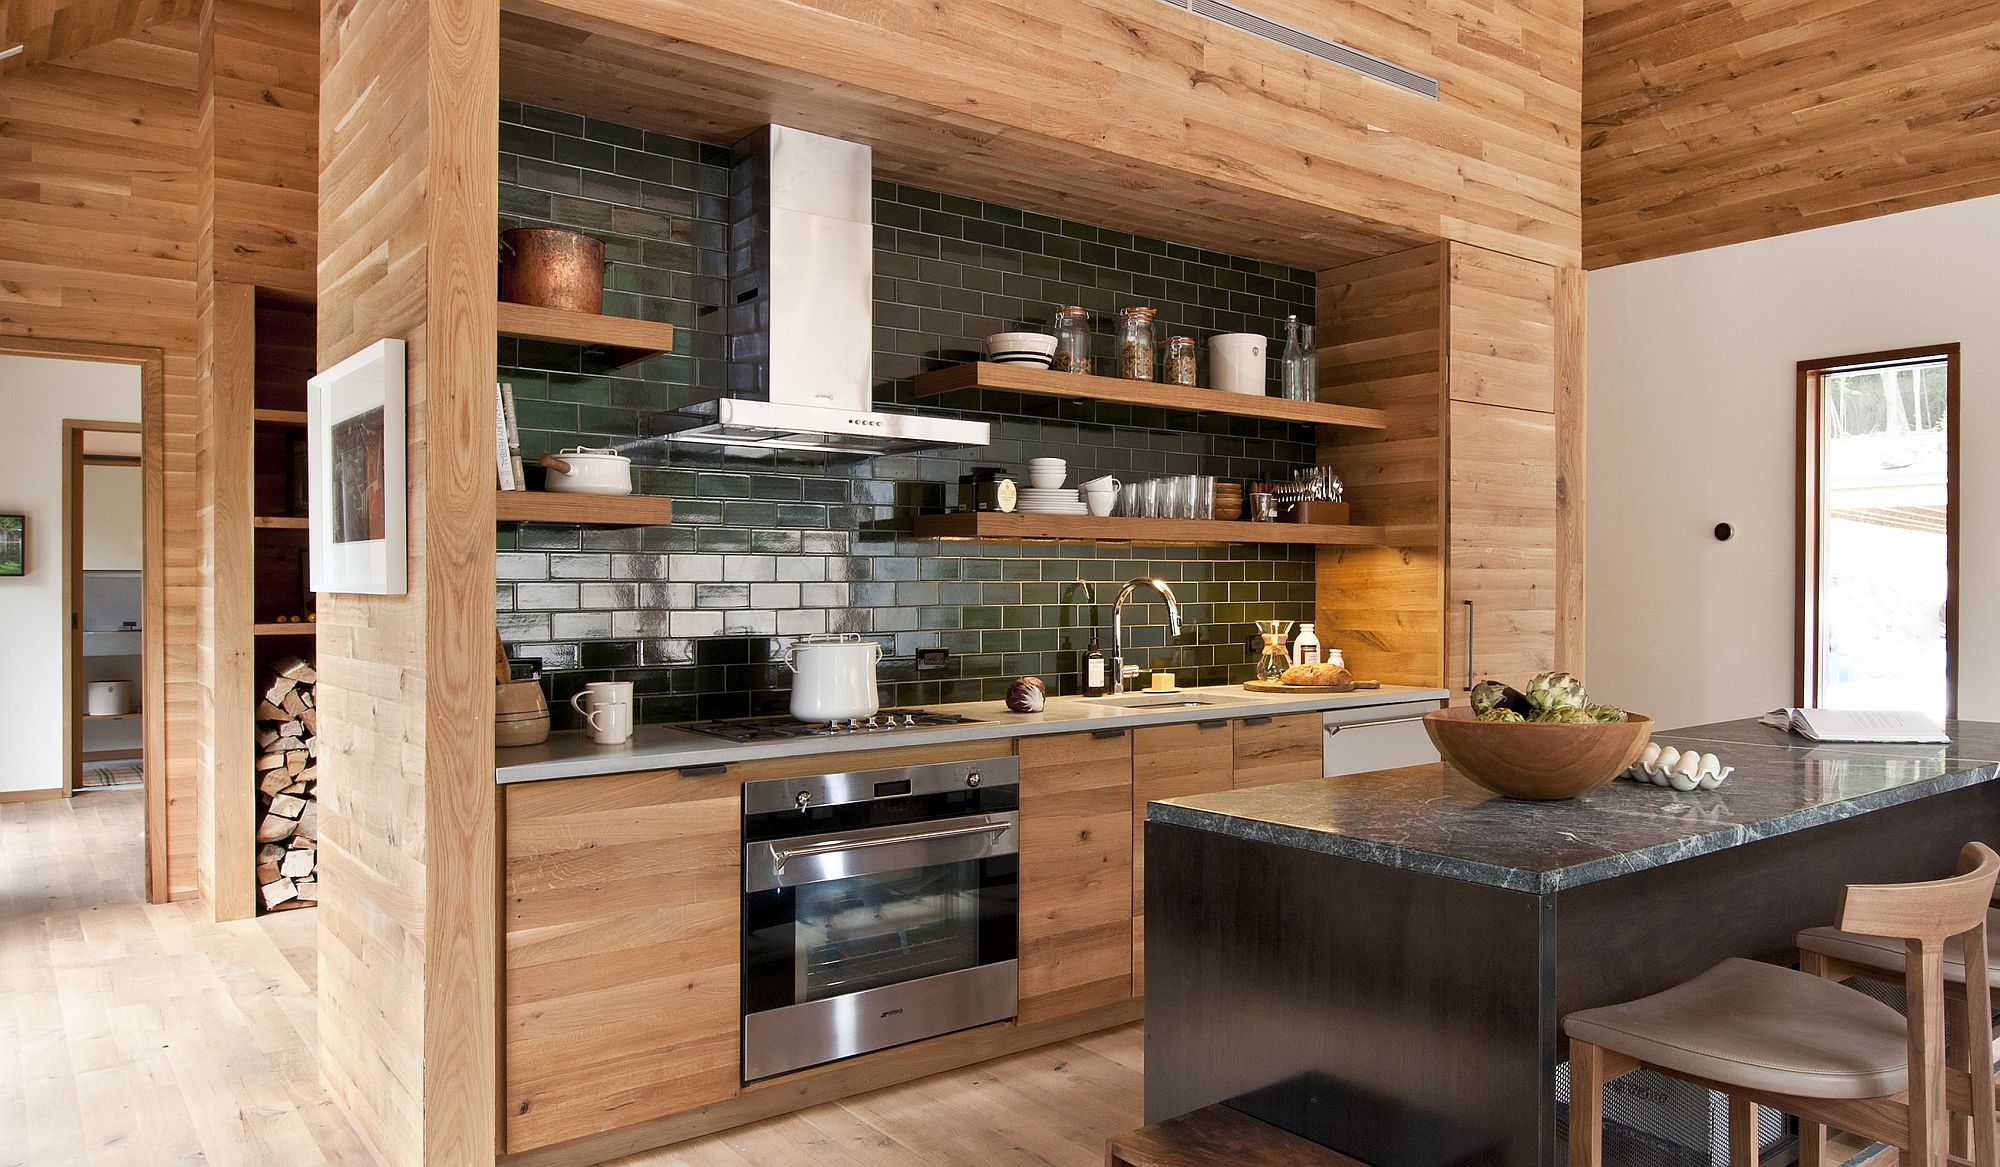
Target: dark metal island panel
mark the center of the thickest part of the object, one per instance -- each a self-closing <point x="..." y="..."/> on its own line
<point x="1381" y="962"/>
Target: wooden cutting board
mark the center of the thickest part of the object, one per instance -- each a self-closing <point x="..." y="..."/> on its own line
<point x="1275" y="687"/>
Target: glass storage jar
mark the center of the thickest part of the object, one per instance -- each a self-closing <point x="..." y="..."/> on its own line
<point x="1072" y="341"/>
<point x="1135" y="343"/>
<point x="1177" y="366"/>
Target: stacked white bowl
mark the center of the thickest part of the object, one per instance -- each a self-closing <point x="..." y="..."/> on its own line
<point x="1034" y="349"/>
<point x="1044" y="494"/>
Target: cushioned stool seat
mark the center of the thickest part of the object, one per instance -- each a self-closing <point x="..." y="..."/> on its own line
<point x="1761" y="1027"/>
<point x="1886" y="954"/>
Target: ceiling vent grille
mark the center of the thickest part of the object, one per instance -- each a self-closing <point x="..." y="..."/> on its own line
<point x="1345" y="56"/>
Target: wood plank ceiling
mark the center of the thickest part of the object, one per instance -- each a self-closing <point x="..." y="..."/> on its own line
<point x="1709" y="122"/>
<point x="53" y="29"/>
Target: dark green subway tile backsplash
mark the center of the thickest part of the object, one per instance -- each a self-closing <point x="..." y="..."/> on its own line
<point x="773" y="545"/>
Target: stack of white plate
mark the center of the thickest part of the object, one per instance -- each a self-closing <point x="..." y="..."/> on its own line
<point x="1031" y="501"/>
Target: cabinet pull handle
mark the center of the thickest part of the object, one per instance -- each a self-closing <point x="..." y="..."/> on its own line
<point x="1468" y="646"/>
<point x="1211" y="724"/>
<point x="1106" y="734"/>
<point x="1332" y="730"/>
<point x="1265" y="720"/>
<point x="704" y="771"/>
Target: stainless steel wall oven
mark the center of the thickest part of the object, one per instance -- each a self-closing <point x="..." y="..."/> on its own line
<point x="879" y="907"/>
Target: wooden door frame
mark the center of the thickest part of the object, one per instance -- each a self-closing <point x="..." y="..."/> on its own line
<point x="1811" y="443"/>
<point x="151" y="363"/>
<point x="74" y="460"/>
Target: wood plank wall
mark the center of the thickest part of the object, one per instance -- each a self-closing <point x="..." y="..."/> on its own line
<point x="98" y="235"/>
<point x="1382" y="340"/>
<point x="1242" y="144"/>
<point x="409" y="936"/>
<point x="1718" y="121"/>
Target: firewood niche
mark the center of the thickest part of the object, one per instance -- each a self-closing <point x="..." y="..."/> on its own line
<point x="287" y="773"/>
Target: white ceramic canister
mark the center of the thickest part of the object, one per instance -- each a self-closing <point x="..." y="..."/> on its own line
<point x="833" y="677"/>
<point x="108" y="698"/>
<point x="1237" y="362"/>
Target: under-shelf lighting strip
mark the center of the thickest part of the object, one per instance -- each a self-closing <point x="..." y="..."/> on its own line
<point x="1345" y="56"/>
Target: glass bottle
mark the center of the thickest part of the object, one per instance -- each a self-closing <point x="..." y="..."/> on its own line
<point x="1072" y="340"/>
<point x="1135" y="343"/>
<point x="1292" y="366"/>
<point x="1177" y="366"/>
<point x="1310" y="380"/>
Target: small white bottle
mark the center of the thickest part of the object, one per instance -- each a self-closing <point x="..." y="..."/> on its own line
<point x="1305" y="650"/>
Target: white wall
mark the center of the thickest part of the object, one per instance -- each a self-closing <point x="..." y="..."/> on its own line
<point x="35" y="396"/>
<point x="114" y="518"/>
<point x="1692" y="421"/>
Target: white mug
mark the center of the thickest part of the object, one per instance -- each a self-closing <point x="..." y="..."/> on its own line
<point x="1100" y="502"/>
<point x="607" y="709"/>
<point x="1105" y="483"/>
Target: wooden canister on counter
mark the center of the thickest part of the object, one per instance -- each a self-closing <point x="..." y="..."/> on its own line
<point x="550" y="267"/>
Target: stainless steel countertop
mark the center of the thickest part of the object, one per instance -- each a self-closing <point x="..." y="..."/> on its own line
<point x="663" y="747"/>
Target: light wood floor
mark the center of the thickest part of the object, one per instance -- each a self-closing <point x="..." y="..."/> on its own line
<point x="147" y="1036"/>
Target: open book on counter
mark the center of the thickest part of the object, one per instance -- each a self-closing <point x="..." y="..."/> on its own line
<point x="1857" y="725"/>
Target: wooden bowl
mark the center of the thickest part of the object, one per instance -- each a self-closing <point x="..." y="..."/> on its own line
<point x="1535" y="761"/>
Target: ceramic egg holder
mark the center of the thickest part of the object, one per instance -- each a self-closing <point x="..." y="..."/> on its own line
<point x="1667" y="766"/>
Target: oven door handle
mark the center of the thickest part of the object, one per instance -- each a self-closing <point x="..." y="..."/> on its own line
<point x="783" y="855"/>
<point x="789" y="863"/>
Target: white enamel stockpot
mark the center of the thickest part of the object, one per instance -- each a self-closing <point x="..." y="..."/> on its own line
<point x="833" y="677"/>
<point x="581" y="470"/>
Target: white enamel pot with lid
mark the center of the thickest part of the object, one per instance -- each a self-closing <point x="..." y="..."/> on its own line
<point x="582" y="470"/>
<point x="833" y="677"/>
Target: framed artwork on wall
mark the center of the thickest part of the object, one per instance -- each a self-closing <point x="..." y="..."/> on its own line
<point x="356" y="454"/>
<point x="13" y="545"/>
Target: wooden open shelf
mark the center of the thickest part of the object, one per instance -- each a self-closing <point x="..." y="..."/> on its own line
<point x="279" y="416"/>
<point x="275" y="629"/>
<point x="1011" y="528"/>
<point x="281" y="522"/>
<point x="602" y="510"/>
<point x="111" y="716"/>
<point x="622" y="339"/>
<point x="1148" y="394"/>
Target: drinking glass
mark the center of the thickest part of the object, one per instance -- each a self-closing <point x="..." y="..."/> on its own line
<point x="1204" y="496"/>
<point x="1149" y="498"/>
<point x="1183" y="495"/>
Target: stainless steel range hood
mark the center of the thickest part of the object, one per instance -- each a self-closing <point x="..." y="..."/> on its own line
<point x="801" y="313"/>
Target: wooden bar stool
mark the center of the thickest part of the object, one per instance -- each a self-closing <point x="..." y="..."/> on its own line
<point x="1811" y="1047"/>
<point x="1839" y="955"/>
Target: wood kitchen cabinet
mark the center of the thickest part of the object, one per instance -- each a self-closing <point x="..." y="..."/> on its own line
<point x="1284" y="748"/>
<point x="1076" y="872"/>
<point x="621" y="915"/>
<point x="1170" y="761"/>
<point x="1501" y="555"/>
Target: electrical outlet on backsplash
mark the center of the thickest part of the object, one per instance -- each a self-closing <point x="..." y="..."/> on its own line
<point x="776" y="544"/>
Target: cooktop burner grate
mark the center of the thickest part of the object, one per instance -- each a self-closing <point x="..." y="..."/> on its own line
<point x="767" y="729"/>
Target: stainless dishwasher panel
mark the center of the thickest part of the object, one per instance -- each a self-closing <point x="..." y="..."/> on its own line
<point x="1376" y="737"/>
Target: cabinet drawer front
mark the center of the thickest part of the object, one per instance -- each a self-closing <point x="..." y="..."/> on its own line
<point x="1270" y="750"/>
<point x="1170" y="761"/>
<point x="1076" y="873"/>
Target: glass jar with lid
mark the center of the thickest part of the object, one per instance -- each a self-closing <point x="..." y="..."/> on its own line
<point x="1135" y="343"/>
<point x="1072" y="340"/>
<point x="1177" y="365"/>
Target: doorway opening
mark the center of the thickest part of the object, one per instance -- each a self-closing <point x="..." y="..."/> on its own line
<point x="1878" y="531"/>
<point x="104" y="590"/>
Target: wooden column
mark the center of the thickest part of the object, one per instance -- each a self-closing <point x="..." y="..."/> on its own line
<point x="1570" y="415"/>
<point x="408" y="934"/>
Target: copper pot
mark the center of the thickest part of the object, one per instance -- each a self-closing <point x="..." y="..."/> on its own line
<point x="552" y="268"/>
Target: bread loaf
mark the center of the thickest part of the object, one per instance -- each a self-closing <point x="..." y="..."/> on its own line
<point x="1324" y="674"/>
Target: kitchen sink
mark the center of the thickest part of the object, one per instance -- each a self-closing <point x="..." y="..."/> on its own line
<point x="1146" y="700"/>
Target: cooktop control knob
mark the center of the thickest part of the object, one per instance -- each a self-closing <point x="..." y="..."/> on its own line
<point x="804" y="799"/>
<point x="972" y="778"/>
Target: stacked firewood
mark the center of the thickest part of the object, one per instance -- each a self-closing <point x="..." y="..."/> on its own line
<point x="287" y="772"/>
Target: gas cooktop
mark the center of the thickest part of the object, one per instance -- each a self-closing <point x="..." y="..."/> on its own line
<point x="771" y="729"/>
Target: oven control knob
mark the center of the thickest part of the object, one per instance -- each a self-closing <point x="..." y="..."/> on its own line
<point x="804" y="799"/>
<point x="972" y="778"/>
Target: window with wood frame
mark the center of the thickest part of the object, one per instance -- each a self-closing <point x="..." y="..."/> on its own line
<point x="1878" y="531"/>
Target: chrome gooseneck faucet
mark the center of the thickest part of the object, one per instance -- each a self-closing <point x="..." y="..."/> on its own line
<point x="1119" y="672"/>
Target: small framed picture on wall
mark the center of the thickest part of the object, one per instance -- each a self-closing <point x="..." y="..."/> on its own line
<point x="358" y="504"/>
<point x="13" y="545"/>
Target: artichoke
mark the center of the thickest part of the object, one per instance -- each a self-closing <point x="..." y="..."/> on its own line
<point x="1605" y="713"/>
<point x="1488" y="696"/>
<point x="1573" y="715"/>
<point x="1501" y="715"/>
<point x="1548" y="692"/>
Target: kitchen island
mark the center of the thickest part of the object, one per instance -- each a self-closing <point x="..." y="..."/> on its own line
<point x="1381" y="962"/>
